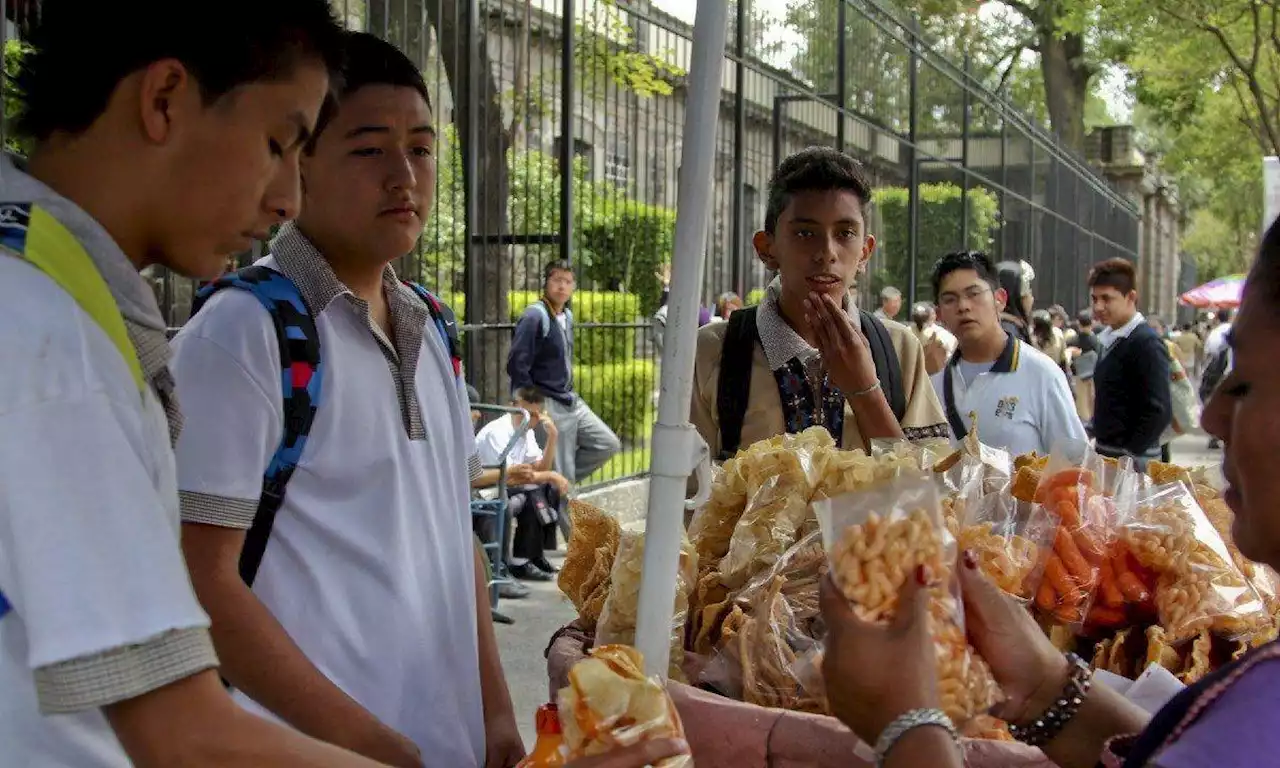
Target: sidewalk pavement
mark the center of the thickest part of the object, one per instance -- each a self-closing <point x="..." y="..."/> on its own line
<point x="538" y="616"/>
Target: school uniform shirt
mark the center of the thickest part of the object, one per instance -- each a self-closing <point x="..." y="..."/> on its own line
<point x="370" y="563"/>
<point x="97" y="607"/>
<point x="1021" y="400"/>
<point x="493" y="439"/>
<point x="922" y="420"/>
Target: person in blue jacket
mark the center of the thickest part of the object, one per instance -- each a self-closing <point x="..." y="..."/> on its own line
<point x="542" y="357"/>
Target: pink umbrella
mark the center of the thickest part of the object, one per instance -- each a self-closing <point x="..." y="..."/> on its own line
<point x="1220" y="293"/>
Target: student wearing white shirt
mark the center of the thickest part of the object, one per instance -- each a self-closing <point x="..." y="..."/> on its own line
<point x="175" y="152"/>
<point x="535" y="492"/>
<point x="1019" y="396"/>
<point x="367" y="624"/>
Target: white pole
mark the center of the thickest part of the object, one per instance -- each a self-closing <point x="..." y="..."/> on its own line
<point x="676" y="446"/>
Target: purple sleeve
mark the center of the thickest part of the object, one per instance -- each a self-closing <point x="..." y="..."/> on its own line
<point x="1239" y="730"/>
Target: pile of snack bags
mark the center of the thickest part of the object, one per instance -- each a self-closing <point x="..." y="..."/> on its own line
<point x="1124" y="568"/>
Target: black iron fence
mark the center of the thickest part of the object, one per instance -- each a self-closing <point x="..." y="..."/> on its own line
<point x="560" y="138"/>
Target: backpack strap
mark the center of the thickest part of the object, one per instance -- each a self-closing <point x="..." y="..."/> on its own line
<point x="958" y="430"/>
<point x="301" y="383"/>
<point x="734" y="386"/>
<point x="35" y="236"/>
<point x="544" y="317"/>
<point x="446" y="324"/>
<point x="888" y="368"/>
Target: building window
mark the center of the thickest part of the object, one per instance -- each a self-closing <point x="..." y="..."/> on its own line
<point x="617" y="163"/>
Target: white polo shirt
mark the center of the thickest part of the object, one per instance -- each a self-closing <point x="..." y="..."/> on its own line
<point x="370" y="563"/>
<point x="100" y="608"/>
<point x="494" y="437"/>
<point x="1022" y="403"/>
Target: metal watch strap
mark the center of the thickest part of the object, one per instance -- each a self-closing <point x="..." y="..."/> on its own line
<point x="909" y="721"/>
<point x="1050" y="722"/>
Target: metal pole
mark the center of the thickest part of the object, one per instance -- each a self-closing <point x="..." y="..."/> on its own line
<point x="674" y="439"/>
<point x="473" y="276"/>
<point x="913" y="171"/>
<point x="842" y="85"/>
<point x="566" y="131"/>
<point x="739" y="150"/>
<point x="778" y="101"/>
<point x="964" y="160"/>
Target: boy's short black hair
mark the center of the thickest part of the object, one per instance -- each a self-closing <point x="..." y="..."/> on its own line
<point x="559" y="265"/>
<point x="816" y="169"/>
<point x="958" y="260"/>
<point x="1114" y="273"/>
<point x="1085" y="317"/>
<point x="82" y="49"/>
<point x="368" y="60"/>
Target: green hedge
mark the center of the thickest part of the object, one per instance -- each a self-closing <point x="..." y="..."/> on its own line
<point x="593" y="346"/>
<point x="626" y="247"/>
<point x="942" y="208"/>
<point x="621" y="393"/>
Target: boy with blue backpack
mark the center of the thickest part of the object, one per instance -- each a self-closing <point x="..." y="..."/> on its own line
<point x="325" y="469"/>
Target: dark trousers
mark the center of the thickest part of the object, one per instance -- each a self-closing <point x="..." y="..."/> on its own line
<point x="526" y="505"/>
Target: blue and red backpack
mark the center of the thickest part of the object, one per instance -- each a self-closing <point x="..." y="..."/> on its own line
<point x="302" y="379"/>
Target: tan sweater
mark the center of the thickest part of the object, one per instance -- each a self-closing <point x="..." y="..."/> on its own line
<point x="923" y="419"/>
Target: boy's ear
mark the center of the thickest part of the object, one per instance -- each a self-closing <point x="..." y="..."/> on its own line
<point x="1002" y="299"/>
<point x="868" y="248"/>
<point x="763" y="243"/>
<point x="165" y="93"/>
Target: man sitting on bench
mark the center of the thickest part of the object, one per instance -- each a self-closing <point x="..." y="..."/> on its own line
<point x="534" y="490"/>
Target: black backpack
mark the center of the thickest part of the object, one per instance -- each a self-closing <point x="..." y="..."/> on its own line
<point x="733" y="390"/>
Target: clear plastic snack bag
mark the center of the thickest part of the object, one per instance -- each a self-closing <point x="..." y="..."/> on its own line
<point x="1070" y="489"/>
<point x="1198" y="585"/>
<point x="1011" y="540"/>
<point x="617" y="623"/>
<point x="875" y="540"/>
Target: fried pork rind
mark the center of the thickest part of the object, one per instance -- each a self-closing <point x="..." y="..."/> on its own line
<point x="588" y="562"/>
<point x="1199" y="661"/>
<point x="1160" y="650"/>
<point x="1199" y="586"/>
<point x="609" y="703"/>
<point x="767" y="628"/>
<point x="618" y="616"/>
<point x="876" y="539"/>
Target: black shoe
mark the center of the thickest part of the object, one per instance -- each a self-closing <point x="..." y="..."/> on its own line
<point x="501" y="618"/>
<point x="530" y="572"/>
<point x="543" y="565"/>
<point x="511" y="590"/>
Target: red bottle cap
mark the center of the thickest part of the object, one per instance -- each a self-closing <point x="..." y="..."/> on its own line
<point x="548" y="719"/>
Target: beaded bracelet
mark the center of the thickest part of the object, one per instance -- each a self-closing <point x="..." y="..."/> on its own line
<point x="1051" y="721"/>
<point x="908" y="721"/>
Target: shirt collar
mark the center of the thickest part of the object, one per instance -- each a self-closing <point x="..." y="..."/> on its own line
<point x="300" y="260"/>
<point x="1111" y="335"/>
<point x="780" y="341"/>
<point x="131" y="291"/>
<point x="1008" y="360"/>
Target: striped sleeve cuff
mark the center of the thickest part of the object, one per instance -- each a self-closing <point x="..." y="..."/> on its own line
<point x="221" y="511"/>
<point x="474" y="469"/>
<point x="123" y="673"/>
<point x="933" y="432"/>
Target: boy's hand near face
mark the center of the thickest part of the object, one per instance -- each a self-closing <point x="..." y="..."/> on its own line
<point x="844" y="349"/>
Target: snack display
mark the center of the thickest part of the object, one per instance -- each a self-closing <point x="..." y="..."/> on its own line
<point x="610" y="703"/>
<point x="877" y="540"/>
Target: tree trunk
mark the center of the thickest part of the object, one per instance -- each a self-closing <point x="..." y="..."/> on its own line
<point x="477" y="101"/>
<point x="1066" y="85"/>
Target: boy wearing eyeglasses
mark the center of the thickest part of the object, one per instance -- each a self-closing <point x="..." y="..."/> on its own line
<point x="1018" y="395"/>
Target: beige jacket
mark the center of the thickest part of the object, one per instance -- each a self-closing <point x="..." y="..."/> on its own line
<point x="924" y="416"/>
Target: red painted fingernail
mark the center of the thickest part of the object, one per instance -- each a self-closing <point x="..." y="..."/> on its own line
<point x="922" y="575"/>
<point x="970" y="559"/>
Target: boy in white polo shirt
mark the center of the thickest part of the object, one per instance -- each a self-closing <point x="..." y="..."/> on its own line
<point x="1019" y="396"/>
<point x="366" y="623"/>
<point x="176" y="145"/>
